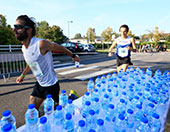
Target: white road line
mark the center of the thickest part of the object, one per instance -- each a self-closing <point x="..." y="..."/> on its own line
<point x="54" y="62"/>
<point x="64" y="64"/>
<point x="86" y="76"/>
<point x="77" y="70"/>
<point x="67" y="67"/>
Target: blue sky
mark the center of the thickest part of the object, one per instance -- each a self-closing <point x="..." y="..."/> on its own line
<point x="140" y="15"/>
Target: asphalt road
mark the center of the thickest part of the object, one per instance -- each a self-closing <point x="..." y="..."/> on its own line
<point x="15" y="97"/>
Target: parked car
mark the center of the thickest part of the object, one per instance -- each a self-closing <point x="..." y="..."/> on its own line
<point x="89" y="48"/>
<point x="74" y="47"/>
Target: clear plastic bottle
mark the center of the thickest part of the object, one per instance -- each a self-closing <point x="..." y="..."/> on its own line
<point x="96" y="105"/>
<point x="100" y="126"/>
<point x="91" y="119"/>
<point x="86" y="97"/>
<point x="63" y="98"/>
<point x="98" y="80"/>
<point x="49" y="107"/>
<point x="77" y="64"/>
<point x="7" y="117"/>
<point x="155" y="123"/>
<point x="58" y="116"/>
<point x="120" y="125"/>
<point x="31" y="118"/>
<point x="110" y="114"/>
<point x="85" y="110"/>
<point x="105" y="102"/>
<point x="121" y="106"/>
<point x="81" y="126"/>
<point x="90" y="85"/>
<point x="44" y="125"/>
<point x="95" y="94"/>
<point x="70" y="108"/>
<point x="142" y="126"/>
<point x="68" y="125"/>
<point x="7" y="128"/>
<point x="129" y="118"/>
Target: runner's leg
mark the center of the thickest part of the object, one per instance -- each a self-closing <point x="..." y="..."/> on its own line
<point x="36" y="101"/>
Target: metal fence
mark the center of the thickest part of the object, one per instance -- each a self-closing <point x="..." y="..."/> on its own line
<point x="11" y="63"/>
<point x="10" y="48"/>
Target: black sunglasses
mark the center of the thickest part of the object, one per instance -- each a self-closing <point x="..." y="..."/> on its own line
<point x="17" y="26"/>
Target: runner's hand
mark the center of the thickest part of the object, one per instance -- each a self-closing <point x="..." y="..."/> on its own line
<point x="20" y="79"/>
<point x="110" y="54"/>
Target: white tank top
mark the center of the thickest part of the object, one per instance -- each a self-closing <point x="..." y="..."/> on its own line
<point x="41" y="65"/>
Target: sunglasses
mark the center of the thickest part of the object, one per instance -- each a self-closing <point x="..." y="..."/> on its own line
<point x="17" y="26"/>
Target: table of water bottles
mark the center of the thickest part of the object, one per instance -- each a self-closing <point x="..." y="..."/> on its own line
<point x="131" y="101"/>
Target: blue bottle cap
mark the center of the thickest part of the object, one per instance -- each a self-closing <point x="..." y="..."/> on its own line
<point x="121" y="116"/>
<point x="130" y="111"/>
<point x="155" y="115"/>
<point x="7" y="127"/>
<point x="111" y="79"/>
<point x="96" y="99"/>
<point x="59" y="107"/>
<point x="124" y="93"/>
<point x="68" y="116"/>
<point x="87" y="103"/>
<point x="63" y="91"/>
<point x="140" y="94"/>
<point x="122" y="100"/>
<point x="144" y="120"/>
<point x="103" y="81"/>
<point x="87" y="93"/>
<point x="111" y="106"/>
<point x="91" y="112"/>
<point x="6" y="113"/>
<point x="31" y="106"/>
<point x="98" y="85"/>
<point x="92" y="130"/>
<point x="136" y="97"/>
<point x="49" y="96"/>
<point x="100" y="122"/>
<point x="139" y="106"/>
<point x="70" y="101"/>
<point x="43" y="120"/>
<point x="91" y="79"/>
<point x="81" y="123"/>
<point x="151" y="105"/>
<point x="106" y="96"/>
<point x="109" y="90"/>
<point x="115" y="86"/>
<point x="98" y="77"/>
<point x="95" y="90"/>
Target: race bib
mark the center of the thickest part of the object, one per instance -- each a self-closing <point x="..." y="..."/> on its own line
<point x="35" y="68"/>
<point x="123" y="52"/>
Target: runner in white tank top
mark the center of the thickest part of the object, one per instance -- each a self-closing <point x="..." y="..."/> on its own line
<point x="37" y="54"/>
<point x="123" y="46"/>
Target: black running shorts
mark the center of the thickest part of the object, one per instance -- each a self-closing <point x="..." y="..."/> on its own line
<point x="125" y="60"/>
<point x="41" y="92"/>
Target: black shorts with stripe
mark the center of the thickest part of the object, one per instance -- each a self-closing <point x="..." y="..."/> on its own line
<point x="124" y="60"/>
<point x="42" y="92"/>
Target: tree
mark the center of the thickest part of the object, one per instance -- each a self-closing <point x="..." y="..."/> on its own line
<point x="6" y="33"/>
<point x="78" y="36"/>
<point x="130" y="34"/>
<point x="91" y="35"/>
<point x="107" y="34"/>
<point x="54" y="33"/>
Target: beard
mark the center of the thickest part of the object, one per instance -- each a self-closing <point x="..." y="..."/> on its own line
<point x="22" y="36"/>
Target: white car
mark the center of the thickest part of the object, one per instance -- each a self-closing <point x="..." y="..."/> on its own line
<point x="88" y="48"/>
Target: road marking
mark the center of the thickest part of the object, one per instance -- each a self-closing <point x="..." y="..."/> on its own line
<point x="54" y="62"/>
<point x="94" y="74"/>
<point x="66" y="67"/>
<point x="64" y="64"/>
<point x="78" y="70"/>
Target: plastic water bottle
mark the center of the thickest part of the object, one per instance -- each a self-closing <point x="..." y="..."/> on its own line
<point x="44" y="125"/>
<point x="105" y="102"/>
<point x="121" y="106"/>
<point x="7" y="128"/>
<point x="49" y="107"/>
<point x="91" y="130"/>
<point x="150" y="108"/>
<point x="98" y="80"/>
<point x="81" y="126"/>
<point x="143" y="126"/>
<point x="155" y="123"/>
<point x="95" y="94"/>
<point x="149" y="72"/>
<point x="90" y="85"/>
<point x="96" y="105"/>
<point x="86" y="97"/>
<point x="138" y="112"/>
<point x="77" y="64"/>
<point x="7" y="117"/>
<point x="70" y="108"/>
<point x="129" y="118"/>
<point x="120" y="125"/>
<point x="63" y="98"/>
<point x="58" y="116"/>
<point x="110" y="114"/>
<point x="100" y="126"/>
<point x="68" y="125"/>
<point x="31" y="119"/>
<point x="91" y="119"/>
<point x="85" y="111"/>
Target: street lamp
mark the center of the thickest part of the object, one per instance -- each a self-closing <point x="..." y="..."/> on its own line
<point x="69" y="28"/>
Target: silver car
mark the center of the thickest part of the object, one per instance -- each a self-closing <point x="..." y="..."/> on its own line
<point x="89" y="48"/>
